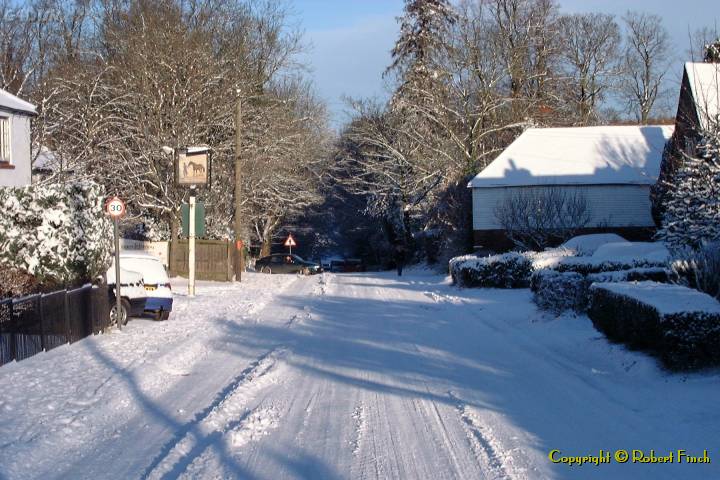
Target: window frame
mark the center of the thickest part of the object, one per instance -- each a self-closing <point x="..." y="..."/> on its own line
<point x="5" y="140"/>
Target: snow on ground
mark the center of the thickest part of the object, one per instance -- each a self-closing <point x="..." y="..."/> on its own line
<point x="349" y="376"/>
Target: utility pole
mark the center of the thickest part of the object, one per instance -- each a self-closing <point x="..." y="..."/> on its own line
<point x="239" y="263"/>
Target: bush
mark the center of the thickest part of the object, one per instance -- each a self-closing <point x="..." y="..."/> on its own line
<point x="57" y="233"/>
<point x="559" y="291"/>
<point x="700" y="269"/>
<point x="509" y="270"/>
<point x="618" y="256"/>
<point x="647" y="316"/>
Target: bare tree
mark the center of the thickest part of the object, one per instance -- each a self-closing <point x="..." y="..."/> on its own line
<point x="589" y="58"/>
<point x="535" y="218"/>
<point x="646" y="61"/>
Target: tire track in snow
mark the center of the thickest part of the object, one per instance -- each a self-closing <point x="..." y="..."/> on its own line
<point x="227" y="412"/>
<point x="485" y="444"/>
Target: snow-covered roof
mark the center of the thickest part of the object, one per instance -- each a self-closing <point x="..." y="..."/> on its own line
<point x="607" y="155"/>
<point x="703" y="80"/>
<point x="8" y="101"/>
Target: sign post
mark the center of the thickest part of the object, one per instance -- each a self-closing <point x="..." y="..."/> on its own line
<point x="191" y="245"/>
<point x="192" y="168"/>
<point x="290" y="242"/>
<point x="116" y="209"/>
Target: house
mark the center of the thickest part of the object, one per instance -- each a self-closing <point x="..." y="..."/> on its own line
<point x="613" y="167"/>
<point x="15" y="115"/>
<point x="698" y="106"/>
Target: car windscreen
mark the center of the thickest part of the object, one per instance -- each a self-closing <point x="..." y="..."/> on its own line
<point x="152" y="270"/>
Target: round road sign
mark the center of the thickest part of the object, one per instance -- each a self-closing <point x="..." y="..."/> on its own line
<point x="115" y="207"/>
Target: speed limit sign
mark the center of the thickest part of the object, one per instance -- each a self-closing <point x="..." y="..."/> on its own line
<point x="115" y="207"/>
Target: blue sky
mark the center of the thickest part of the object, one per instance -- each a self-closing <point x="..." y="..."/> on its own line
<point x="350" y="41"/>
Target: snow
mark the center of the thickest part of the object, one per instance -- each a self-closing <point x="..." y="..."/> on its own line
<point x="703" y="79"/>
<point x="667" y="299"/>
<point x="148" y="265"/>
<point x="587" y="244"/>
<point x="651" y="252"/>
<point x="349" y="376"/>
<point x="579" y="156"/>
<point x="11" y="102"/>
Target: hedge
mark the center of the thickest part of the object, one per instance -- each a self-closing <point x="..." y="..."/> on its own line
<point x="559" y="291"/>
<point x="509" y="270"/>
<point x="683" y="339"/>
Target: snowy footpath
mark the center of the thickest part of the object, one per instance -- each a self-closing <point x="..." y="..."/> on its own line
<point x="359" y="376"/>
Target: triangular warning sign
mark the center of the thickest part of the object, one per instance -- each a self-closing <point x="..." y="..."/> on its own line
<point x="290" y="241"/>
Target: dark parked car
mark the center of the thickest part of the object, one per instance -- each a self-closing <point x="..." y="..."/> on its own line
<point x="347" y="265"/>
<point x="284" y="263"/>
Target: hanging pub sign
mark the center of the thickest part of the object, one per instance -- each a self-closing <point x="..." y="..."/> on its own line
<point x="193" y="166"/>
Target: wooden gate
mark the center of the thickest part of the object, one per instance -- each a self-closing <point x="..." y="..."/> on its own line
<point x="213" y="259"/>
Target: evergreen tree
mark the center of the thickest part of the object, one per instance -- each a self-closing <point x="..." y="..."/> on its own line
<point x="424" y="29"/>
<point x="692" y="205"/>
<point x="712" y="52"/>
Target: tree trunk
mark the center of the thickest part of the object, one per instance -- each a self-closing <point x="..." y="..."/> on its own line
<point x="266" y="246"/>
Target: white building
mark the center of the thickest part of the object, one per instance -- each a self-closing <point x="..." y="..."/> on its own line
<point x="613" y="166"/>
<point x="15" y="115"/>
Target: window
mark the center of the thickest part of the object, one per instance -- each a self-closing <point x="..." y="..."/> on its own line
<point x="4" y="139"/>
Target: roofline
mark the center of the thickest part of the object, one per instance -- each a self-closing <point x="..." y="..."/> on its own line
<point x="616" y="184"/>
<point x="16" y="111"/>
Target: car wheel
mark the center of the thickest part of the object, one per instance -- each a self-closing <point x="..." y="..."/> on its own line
<point x="124" y="313"/>
<point x="265" y="270"/>
<point x="305" y="271"/>
<point x="162" y="315"/>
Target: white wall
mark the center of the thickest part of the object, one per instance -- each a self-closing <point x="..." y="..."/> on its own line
<point x="158" y="249"/>
<point x="19" y="153"/>
<point x="611" y="205"/>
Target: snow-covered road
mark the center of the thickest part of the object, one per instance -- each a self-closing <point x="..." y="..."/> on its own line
<point x="349" y="376"/>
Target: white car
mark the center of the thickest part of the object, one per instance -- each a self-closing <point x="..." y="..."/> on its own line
<point x="132" y="295"/>
<point x="155" y="277"/>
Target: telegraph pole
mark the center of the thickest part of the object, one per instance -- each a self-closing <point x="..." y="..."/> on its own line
<point x="239" y="263"/>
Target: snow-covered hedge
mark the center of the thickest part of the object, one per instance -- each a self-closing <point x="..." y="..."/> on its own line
<point x="677" y="323"/>
<point x="586" y="245"/>
<point x="618" y="256"/>
<point x="57" y="233"/>
<point x="509" y="270"/>
<point x="559" y="291"/>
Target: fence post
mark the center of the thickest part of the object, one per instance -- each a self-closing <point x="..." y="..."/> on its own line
<point x="13" y="346"/>
<point x="66" y="309"/>
<point x="42" y="321"/>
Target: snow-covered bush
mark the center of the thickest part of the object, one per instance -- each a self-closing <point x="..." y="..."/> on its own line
<point x="586" y="245"/>
<point x="700" y="269"/>
<point x="618" y="256"/>
<point x="679" y="324"/>
<point x="509" y="270"/>
<point x="558" y="291"/>
<point x="57" y="233"/>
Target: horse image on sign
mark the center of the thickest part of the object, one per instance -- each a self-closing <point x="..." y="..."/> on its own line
<point x="192" y="167"/>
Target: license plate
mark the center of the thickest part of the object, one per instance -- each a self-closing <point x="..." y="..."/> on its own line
<point x="149" y="288"/>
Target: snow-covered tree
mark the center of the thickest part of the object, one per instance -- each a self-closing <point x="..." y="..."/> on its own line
<point x="712" y="52"/>
<point x="692" y="204"/>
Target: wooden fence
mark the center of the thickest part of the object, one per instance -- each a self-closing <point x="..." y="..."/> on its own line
<point x="213" y="259"/>
<point x="41" y="322"/>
